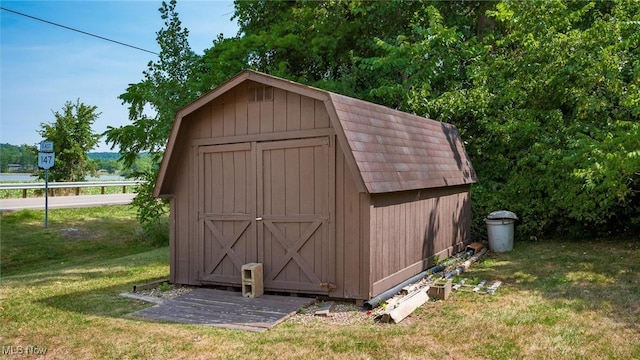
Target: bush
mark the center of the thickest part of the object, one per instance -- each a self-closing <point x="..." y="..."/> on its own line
<point x="156" y="232"/>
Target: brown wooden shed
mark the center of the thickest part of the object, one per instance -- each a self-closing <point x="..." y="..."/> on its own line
<point x="333" y="195"/>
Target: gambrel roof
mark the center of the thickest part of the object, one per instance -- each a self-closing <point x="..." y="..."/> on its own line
<point x="387" y="150"/>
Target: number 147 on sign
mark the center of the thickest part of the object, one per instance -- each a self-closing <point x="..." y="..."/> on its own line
<point x="46" y="160"/>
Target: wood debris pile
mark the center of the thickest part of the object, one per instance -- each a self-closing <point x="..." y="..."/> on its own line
<point x="438" y="285"/>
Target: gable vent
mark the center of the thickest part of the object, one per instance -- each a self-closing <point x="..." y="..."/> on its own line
<point x="260" y="93"/>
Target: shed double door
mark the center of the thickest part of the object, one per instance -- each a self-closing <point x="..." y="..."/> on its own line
<point x="267" y="202"/>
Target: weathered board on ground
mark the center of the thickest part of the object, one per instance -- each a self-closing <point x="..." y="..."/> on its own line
<point x="226" y="309"/>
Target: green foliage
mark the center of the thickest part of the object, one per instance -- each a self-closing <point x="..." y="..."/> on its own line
<point x="107" y="161"/>
<point x="73" y="138"/>
<point x="143" y="164"/>
<point x="319" y="42"/>
<point x="165" y="287"/>
<point x="156" y="232"/>
<point x="571" y="136"/>
<point x="164" y="89"/>
<point x="25" y="156"/>
<point x="105" y="156"/>
<point x="547" y="106"/>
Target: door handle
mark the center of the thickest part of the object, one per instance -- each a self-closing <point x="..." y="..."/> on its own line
<point x="258" y="219"/>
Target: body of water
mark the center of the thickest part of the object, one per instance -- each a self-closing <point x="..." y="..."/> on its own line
<point x="20" y="177"/>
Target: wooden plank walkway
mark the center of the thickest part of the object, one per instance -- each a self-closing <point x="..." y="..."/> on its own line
<point x="226" y="309"/>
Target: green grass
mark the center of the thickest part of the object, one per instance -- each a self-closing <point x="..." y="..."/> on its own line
<point x="73" y="236"/>
<point x="560" y="299"/>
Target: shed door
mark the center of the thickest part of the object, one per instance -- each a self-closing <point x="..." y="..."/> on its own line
<point x="226" y="211"/>
<point x="268" y="202"/>
<point x="293" y="201"/>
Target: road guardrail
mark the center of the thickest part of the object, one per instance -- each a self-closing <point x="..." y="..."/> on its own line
<point x="74" y="185"/>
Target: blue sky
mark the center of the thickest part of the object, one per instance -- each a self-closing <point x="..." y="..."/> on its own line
<point x="44" y="66"/>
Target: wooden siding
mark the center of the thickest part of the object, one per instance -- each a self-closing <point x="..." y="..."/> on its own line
<point x="230" y="119"/>
<point x="409" y="229"/>
<point x="226" y="216"/>
<point x="294" y="198"/>
<point x="350" y="266"/>
<point x="181" y="222"/>
<point x="233" y="115"/>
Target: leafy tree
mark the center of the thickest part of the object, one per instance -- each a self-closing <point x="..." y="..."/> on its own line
<point x="320" y="42"/>
<point x="144" y="164"/>
<point x="110" y="166"/>
<point x="227" y="57"/>
<point x="73" y="138"/>
<point x="24" y="155"/>
<point x="548" y="104"/>
<point x="107" y="161"/>
<point x="164" y="89"/>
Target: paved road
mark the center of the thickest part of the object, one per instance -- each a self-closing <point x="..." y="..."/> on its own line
<point x="66" y="201"/>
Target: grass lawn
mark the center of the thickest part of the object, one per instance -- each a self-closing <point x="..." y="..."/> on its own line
<point x="59" y="292"/>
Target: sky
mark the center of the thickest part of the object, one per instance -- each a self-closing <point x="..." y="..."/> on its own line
<point x="44" y="66"/>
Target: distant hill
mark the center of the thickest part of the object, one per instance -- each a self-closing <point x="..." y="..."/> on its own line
<point x="24" y="158"/>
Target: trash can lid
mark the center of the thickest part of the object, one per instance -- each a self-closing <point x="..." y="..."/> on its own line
<point x="502" y="214"/>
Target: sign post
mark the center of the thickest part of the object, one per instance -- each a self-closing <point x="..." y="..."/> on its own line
<point x="46" y="158"/>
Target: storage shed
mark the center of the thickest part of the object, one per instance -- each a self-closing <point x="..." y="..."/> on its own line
<point x="333" y="195"/>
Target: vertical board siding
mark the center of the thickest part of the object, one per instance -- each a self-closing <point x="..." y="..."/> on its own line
<point x="307" y="113"/>
<point x="364" y="201"/>
<point x="203" y="123"/>
<point x="409" y="229"/>
<point x="232" y="114"/>
<point x="292" y="192"/>
<point x="321" y="116"/>
<point x="216" y="121"/>
<point x="349" y="240"/>
<point x="292" y="202"/>
<point x="266" y="118"/>
<point x="180" y="224"/>
<point x="293" y="112"/>
<point x="340" y="227"/>
<point x="229" y="115"/>
<point x="187" y="206"/>
<point x="225" y="175"/>
<point x="241" y="113"/>
<point x="279" y="110"/>
<point x="253" y="113"/>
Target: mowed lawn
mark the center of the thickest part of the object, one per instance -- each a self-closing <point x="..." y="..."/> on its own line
<point x="60" y="291"/>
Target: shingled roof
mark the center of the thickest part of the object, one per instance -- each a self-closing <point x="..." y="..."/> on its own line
<point x="392" y="150"/>
<point x="397" y="151"/>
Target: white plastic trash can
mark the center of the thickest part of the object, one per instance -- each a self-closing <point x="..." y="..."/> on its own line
<point x="500" y="230"/>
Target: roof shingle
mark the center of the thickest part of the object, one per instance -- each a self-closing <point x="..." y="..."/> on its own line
<point x="397" y="151"/>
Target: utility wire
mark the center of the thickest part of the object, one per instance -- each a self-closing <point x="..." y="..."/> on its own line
<point x="76" y="30"/>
